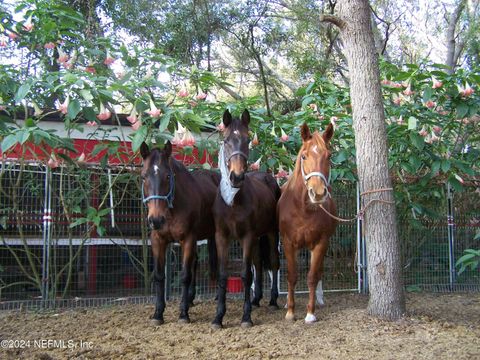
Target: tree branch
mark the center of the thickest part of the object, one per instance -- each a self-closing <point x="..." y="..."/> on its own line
<point x="335" y="20"/>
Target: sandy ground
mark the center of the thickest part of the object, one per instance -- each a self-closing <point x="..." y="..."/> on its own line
<point x="436" y="327"/>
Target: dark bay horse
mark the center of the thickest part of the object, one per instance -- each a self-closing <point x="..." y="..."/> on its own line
<point x="244" y="209"/>
<point x="302" y="221"/>
<point x="179" y="209"/>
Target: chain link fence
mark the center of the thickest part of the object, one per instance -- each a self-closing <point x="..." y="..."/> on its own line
<point x="78" y="237"/>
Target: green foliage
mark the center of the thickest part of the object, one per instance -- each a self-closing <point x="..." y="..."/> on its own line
<point x="470" y="259"/>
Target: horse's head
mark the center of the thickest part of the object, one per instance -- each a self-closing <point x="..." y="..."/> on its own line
<point x="158" y="183"/>
<point x="314" y="158"/>
<point x="235" y="148"/>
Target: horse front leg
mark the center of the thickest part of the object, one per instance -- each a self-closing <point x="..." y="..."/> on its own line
<point x="187" y="270"/>
<point x="192" y="290"/>
<point x="314" y="275"/>
<point x="292" y="275"/>
<point x="222" y="251"/>
<point x="247" y="244"/>
<point x="159" y="247"/>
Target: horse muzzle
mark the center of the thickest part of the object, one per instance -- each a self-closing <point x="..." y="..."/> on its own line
<point x="316" y="198"/>
<point x="156" y="223"/>
<point x="237" y="180"/>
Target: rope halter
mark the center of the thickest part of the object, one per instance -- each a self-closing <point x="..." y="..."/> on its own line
<point x="168" y="197"/>
<point x="315" y="173"/>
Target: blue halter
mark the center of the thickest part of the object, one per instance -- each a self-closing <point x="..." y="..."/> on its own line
<point x="168" y="198"/>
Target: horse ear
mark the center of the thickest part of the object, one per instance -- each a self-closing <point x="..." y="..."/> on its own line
<point x="246" y="117"/>
<point x="328" y="133"/>
<point x="144" y="150"/>
<point x="305" y="132"/>
<point x="227" y="118"/>
<point x="167" y="149"/>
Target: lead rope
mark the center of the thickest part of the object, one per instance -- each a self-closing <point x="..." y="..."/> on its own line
<point x="361" y="213"/>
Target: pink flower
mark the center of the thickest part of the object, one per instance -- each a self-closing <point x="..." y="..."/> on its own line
<point x="313" y="107"/>
<point x="434" y="138"/>
<point x="12" y="36"/>
<point x="397" y="85"/>
<point x="153" y="112"/>
<point x="256" y="165"/>
<point x="255" y="141"/>
<point x="90" y="123"/>
<point x="284" y="136"/>
<point x="281" y="174"/>
<point x="104" y="114"/>
<point x="436" y="84"/>
<point x="386" y="82"/>
<point x="28" y="26"/>
<point x="49" y="45"/>
<point x="109" y="60"/>
<point x="437" y="129"/>
<point x="63" y="107"/>
<point x="67" y="65"/>
<point x="465" y="92"/>
<point x="192" y="103"/>
<point x="188" y="139"/>
<point x="408" y="91"/>
<point x="182" y="93"/>
<point x="3" y="41"/>
<point x="430" y="104"/>
<point x="221" y="127"/>
<point x="53" y="162"/>
<point x="397" y="100"/>
<point x="62" y="59"/>
<point x="132" y="118"/>
<point x="3" y="107"/>
<point x="120" y="74"/>
<point x="136" y="125"/>
<point x="459" y="179"/>
<point x="423" y="132"/>
<point x="90" y="69"/>
<point x="201" y="96"/>
<point x="321" y="117"/>
<point x="333" y="120"/>
<point x="81" y="158"/>
<point x="400" y="120"/>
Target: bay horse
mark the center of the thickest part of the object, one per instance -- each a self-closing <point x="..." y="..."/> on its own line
<point x="244" y="209"/>
<point x="302" y="221"/>
<point x="179" y="209"/>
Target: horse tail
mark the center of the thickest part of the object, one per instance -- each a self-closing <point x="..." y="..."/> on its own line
<point x="268" y="251"/>
<point x="212" y="259"/>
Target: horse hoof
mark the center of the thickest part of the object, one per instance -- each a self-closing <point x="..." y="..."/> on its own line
<point x="310" y="319"/>
<point x="290" y="317"/>
<point x="184" y="321"/>
<point x="273" y="306"/>
<point x="256" y="304"/>
<point x="156" y="322"/>
<point x="216" y="326"/>
<point x="246" y="324"/>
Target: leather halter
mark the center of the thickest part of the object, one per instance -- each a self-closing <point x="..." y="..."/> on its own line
<point x="315" y="173"/>
<point x="237" y="152"/>
<point x="168" y="197"/>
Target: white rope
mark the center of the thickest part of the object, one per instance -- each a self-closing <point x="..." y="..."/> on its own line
<point x="227" y="191"/>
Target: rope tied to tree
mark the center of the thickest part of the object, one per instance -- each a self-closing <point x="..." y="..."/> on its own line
<point x="362" y="211"/>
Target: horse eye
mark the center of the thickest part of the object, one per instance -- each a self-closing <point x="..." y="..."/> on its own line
<point x="303" y="157"/>
<point x="168" y="177"/>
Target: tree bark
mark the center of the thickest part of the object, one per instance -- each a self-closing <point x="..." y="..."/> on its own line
<point x="387" y="298"/>
<point x="453" y="51"/>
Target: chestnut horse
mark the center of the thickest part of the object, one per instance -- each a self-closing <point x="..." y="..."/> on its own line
<point x="179" y="209"/>
<point x="302" y="221"/>
<point x="244" y="209"/>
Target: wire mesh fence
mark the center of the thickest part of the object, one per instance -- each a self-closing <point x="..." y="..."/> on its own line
<point x="78" y="237"/>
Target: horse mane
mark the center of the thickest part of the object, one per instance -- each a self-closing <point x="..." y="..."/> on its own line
<point x="316" y="139"/>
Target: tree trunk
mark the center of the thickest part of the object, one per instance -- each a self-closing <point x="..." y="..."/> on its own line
<point x="383" y="249"/>
<point x="453" y="49"/>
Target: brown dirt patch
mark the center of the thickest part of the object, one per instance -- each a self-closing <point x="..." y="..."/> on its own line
<point x="436" y="327"/>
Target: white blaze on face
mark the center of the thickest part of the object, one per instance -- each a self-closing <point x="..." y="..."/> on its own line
<point x="315" y="149"/>
<point x="155" y="169"/>
<point x="236" y="132"/>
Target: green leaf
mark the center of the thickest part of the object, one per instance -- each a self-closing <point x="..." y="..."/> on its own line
<point x="164" y="121"/>
<point x="86" y="94"/>
<point x="307" y="100"/>
<point x="22" y="92"/>
<point x="462" y="110"/>
<point x="435" y="167"/>
<point x="412" y="123"/>
<point x="139" y="137"/>
<point x="23" y="136"/>
<point x="446" y="165"/>
<point x="427" y="94"/>
<point x="79" y="222"/>
<point x="104" y="212"/>
<point x="417" y="140"/>
<point x="74" y="108"/>
<point x="89" y="114"/>
<point x="8" y="142"/>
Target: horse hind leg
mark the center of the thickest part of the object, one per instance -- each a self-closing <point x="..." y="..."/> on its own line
<point x="274" y="260"/>
<point x="258" y="276"/>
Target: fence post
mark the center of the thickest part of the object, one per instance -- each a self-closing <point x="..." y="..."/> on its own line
<point x="451" y="236"/>
<point x="359" y="243"/>
<point x="47" y="224"/>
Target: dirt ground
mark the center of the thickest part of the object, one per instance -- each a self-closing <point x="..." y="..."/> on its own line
<point x="436" y="327"/>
